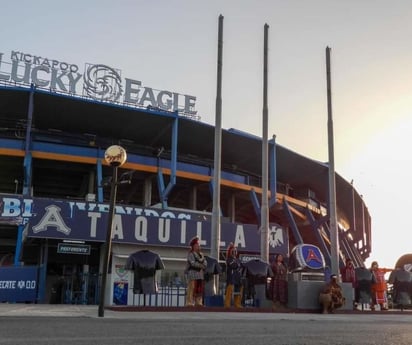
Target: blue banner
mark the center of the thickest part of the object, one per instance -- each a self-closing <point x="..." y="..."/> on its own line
<point x="18" y="284"/>
<point x="87" y="221"/>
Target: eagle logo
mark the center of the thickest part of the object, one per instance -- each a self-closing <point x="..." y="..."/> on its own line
<point x="276" y="238"/>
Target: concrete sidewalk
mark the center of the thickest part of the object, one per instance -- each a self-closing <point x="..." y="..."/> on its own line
<point x="22" y="309"/>
<point x="126" y="312"/>
<point x="153" y="313"/>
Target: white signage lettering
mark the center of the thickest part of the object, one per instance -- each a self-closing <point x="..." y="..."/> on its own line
<point x="93" y="223"/>
<point x="7" y="284"/>
<point x="240" y="237"/>
<point x="84" y="206"/>
<point x="65" y="77"/>
<point x="117" y="230"/>
<point x="140" y="230"/>
<point x="14" y="207"/>
<point x="14" y="284"/>
<point x="164" y="230"/>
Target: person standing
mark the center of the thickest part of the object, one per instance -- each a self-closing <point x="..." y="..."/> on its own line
<point x="379" y="286"/>
<point x="348" y="276"/>
<point x="195" y="268"/>
<point x="279" y="282"/>
<point x="233" y="278"/>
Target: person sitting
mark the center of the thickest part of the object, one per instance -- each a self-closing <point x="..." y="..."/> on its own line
<point x="331" y="296"/>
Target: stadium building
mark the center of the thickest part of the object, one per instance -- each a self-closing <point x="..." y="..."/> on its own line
<point x="56" y="123"/>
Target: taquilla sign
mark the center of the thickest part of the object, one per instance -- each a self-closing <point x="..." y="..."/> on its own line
<point x="87" y="221"/>
<point x="97" y="81"/>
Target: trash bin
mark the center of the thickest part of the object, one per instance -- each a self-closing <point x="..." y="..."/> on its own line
<point x="211" y="298"/>
<point x="363" y="290"/>
<point x="257" y="272"/>
<point x="402" y="288"/>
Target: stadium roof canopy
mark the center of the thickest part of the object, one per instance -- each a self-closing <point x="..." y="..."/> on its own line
<point x="151" y="128"/>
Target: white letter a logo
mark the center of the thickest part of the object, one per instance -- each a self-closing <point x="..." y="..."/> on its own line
<point x="52" y="218"/>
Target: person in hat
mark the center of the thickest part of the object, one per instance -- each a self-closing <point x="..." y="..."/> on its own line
<point x="331" y="296"/>
<point x="195" y="273"/>
<point x="233" y="278"/>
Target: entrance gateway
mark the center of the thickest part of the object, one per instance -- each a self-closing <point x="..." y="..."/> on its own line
<point x="71" y="237"/>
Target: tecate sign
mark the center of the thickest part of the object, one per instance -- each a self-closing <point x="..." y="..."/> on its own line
<point x="98" y="81"/>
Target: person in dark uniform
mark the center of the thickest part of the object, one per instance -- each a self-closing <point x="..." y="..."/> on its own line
<point x="233" y="278"/>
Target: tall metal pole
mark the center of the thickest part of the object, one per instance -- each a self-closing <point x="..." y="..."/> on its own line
<point x="115" y="156"/>
<point x="264" y="212"/>
<point x="108" y="244"/>
<point x="334" y="234"/>
<point x="215" y="231"/>
<point x="27" y="153"/>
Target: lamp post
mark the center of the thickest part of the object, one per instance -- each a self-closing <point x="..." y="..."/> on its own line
<point x="115" y="156"/>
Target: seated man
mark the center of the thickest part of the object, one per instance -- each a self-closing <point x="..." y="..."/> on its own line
<point x="331" y="296"/>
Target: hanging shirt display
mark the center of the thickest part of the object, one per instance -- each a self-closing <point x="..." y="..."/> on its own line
<point x="144" y="264"/>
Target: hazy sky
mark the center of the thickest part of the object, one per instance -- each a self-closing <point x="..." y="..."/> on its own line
<point x="172" y="45"/>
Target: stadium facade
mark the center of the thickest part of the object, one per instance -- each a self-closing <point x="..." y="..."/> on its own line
<point x="55" y="125"/>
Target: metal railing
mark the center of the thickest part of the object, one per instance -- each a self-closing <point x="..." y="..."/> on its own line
<point x="167" y="296"/>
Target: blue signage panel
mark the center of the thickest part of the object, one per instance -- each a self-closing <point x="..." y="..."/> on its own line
<point x="18" y="284"/>
<point x="87" y="221"/>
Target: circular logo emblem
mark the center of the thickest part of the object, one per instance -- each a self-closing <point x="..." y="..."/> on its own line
<point x="308" y="256"/>
<point x="115" y="155"/>
<point x="102" y="83"/>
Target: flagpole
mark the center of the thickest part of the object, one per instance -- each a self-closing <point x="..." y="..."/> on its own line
<point x="215" y="231"/>
<point x="264" y="215"/>
<point x="334" y="235"/>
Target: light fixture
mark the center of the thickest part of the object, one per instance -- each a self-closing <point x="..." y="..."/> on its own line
<point x="115" y="156"/>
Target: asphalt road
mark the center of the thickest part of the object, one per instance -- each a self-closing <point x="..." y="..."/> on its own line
<point x="82" y="326"/>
